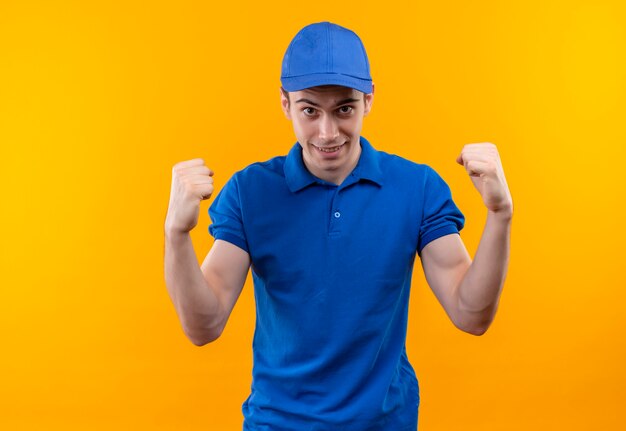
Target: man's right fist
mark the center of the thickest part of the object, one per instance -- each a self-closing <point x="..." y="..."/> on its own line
<point x="191" y="183"/>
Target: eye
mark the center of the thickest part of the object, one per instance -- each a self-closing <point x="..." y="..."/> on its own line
<point x="309" y="113"/>
<point x="346" y="111"/>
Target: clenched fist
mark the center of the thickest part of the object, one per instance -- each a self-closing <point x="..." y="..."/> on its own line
<point x="191" y="183"/>
<point x="482" y="163"/>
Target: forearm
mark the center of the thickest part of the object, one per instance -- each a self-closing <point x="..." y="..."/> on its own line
<point x="196" y="304"/>
<point x="479" y="292"/>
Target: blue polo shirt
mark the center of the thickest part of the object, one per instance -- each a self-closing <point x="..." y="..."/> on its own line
<point x="332" y="270"/>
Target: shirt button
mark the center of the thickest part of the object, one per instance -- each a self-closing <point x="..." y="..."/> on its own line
<point x="337" y="214"/>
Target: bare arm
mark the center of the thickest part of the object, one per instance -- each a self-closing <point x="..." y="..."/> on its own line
<point x="469" y="291"/>
<point x="203" y="297"/>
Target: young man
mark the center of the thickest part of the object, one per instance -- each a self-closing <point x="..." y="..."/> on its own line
<point x="331" y="232"/>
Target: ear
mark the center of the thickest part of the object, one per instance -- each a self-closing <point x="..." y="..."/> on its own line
<point x="369" y="100"/>
<point x="284" y="104"/>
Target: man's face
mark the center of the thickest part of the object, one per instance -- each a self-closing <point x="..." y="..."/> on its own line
<point x="327" y="121"/>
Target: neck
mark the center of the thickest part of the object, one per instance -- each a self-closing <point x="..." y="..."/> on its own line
<point x="336" y="176"/>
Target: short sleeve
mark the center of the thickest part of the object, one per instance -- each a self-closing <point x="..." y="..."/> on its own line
<point x="226" y="215"/>
<point x="441" y="216"/>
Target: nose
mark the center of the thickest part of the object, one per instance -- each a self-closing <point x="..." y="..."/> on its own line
<point x="329" y="131"/>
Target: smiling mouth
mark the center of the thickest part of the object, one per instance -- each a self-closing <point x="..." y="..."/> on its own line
<point x="329" y="149"/>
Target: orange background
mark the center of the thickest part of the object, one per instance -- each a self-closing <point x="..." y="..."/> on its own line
<point x="98" y="100"/>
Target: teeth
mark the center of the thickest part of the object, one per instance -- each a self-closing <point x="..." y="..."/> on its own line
<point x="329" y="150"/>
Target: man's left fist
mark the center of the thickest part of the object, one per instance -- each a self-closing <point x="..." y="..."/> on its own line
<point x="482" y="163"/>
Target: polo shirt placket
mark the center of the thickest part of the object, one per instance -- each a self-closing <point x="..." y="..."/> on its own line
<point x="334" y="228"/>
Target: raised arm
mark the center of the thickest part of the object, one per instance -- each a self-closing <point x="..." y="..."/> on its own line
<point x="202" y="296"/>
<point x="470" y="290"/>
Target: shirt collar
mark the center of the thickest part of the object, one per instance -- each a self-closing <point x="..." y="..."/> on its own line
<point x="299" y="177"/>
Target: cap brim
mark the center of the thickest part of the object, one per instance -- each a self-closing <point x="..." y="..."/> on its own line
<point x="297" y="83"/>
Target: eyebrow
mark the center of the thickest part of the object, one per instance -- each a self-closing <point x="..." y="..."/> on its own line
<point x="341" y="102"/>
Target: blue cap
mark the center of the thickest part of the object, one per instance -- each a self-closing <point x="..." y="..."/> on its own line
<point x="324" y="53"/>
